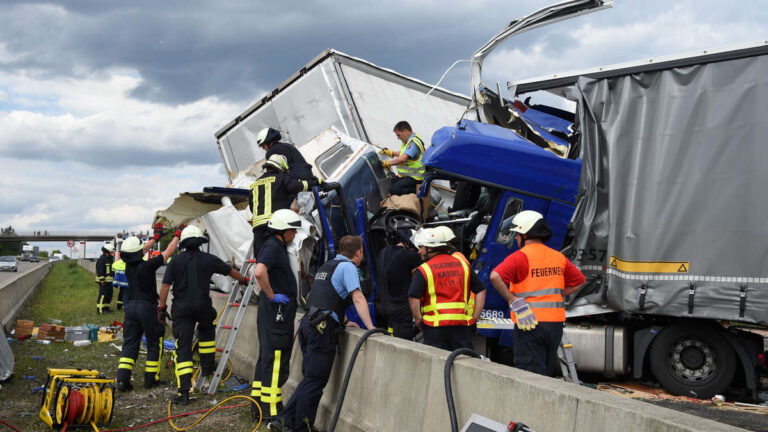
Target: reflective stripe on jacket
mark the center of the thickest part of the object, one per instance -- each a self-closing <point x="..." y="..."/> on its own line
<point x="543" y="286"/>
<point x="412" y="168"/>
<point x="447" y="297"/>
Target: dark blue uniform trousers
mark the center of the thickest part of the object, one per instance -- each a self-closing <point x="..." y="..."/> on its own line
<point x="319" y="352"/>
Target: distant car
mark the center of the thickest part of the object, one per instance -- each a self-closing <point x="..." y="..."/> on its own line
<point x="53" y="258"/>
<point x="34" y="259"/>
<point x="9" y="263"/>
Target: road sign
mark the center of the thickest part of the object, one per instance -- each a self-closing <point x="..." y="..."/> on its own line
<point x="70" y="243"/>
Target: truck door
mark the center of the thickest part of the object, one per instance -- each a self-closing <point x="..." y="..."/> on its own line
<point x="499" y="244"/>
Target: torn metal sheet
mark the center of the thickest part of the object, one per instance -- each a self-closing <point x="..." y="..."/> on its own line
<point x="6" y="357"/>
<point x="190" y="205"/>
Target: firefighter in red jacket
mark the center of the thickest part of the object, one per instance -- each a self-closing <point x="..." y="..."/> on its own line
<point x="534" y="280"/>
<point x="440" y="295"/>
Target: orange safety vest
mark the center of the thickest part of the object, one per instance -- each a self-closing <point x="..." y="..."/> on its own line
<point x="447" y="298"/>
<point x="543" y="286"/>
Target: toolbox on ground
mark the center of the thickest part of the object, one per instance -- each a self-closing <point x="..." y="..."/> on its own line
<point x="77" y="333"/>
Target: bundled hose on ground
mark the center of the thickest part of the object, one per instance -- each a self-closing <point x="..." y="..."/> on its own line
<point x="347" y="376"/>
<point x="448" y="389"/>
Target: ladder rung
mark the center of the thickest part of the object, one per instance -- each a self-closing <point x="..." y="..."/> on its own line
<point x="567" y="346"/>
<point x="235" y="304"/>
<point x="226" y="327"/>
<point x="251" y="261"/>
<point x="219" y="350"/>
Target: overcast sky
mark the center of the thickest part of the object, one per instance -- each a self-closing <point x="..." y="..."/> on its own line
<point x="108" y="108"/>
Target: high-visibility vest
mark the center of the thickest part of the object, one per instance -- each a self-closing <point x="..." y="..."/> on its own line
<point x="261" y="190"/>
<point x="446" y="300"/>
<point x="471" y="302"/>
<point x="543" y="286"/>
<point x="412" y="168"/>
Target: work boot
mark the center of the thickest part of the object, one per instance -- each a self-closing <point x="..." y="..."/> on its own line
<point x="181" y="397"/>
<point x="277" y="425"/>
<point x="208" y="370"/>
<point x="148" y="384"/>
<point x="124" y="386"/>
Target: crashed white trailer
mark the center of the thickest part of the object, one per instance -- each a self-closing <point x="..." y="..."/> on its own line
<point x="356" y="97"/>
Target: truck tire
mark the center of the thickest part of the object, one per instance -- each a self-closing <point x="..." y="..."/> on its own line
<point x="691" y="359"/>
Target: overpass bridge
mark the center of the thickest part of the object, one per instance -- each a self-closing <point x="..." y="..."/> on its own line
<point x="56" y="237"/>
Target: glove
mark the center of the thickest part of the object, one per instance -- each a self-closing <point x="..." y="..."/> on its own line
<point x="385" y="164"/>
<point x="526" y="320"/>
<point x="158" y="227"/>
<point x="280" y="299"/>
<point x="245" y="281"/>
<point x="179" y="229"/>
<point x="327" y="187"/>
<point x="162" y="314"/>
<point x="387" y="152"/>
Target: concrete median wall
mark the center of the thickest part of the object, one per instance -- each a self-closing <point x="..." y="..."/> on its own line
<point x="16" y="291"/>
<point x="88" y="265"/>
<point x="398" y="385"/>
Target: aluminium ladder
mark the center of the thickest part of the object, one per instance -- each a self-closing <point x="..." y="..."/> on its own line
<point x="567" y="365"/>
<point x="239" y="296"/>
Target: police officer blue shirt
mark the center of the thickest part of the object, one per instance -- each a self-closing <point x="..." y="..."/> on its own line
<point x="345" y="279"/>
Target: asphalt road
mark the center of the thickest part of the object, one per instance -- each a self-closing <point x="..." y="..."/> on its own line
<point x="24" y="267"/>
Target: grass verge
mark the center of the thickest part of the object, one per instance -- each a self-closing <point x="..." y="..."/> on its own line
<point x="68" y="293"/>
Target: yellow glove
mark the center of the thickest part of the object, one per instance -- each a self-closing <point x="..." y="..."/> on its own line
<point x="385" y="164"/>
<point x="387" y="152"/>
<point x="526" y="320"/>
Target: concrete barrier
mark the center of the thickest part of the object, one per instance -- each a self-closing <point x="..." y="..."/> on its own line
<point x="88" y="265"/>
<point x="398" y="385"/>
<point x="14" y="293"/>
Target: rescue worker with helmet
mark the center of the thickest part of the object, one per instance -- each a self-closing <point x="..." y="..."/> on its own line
<point x="277" y="310"/>
<point x="440" y="295"/>
<point x="410" y="170"/>
<point x="395" y="266"/>
<point x="336" y="286"/>
<point x="104" y="275"/>
<point x="141" y="301"/>
<point x="273" y="191"/>
<point x="189" y="272"/>
<point x="298" y="168"/>
<point x="534" y="280"/>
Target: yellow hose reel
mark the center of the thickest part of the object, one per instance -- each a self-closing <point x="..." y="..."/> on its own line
<point x="77" y="397"/>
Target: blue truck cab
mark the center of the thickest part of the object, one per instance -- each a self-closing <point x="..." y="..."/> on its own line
<point x="508" y="174"/>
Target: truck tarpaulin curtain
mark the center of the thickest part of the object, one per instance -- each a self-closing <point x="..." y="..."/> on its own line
<point x="674" y="189"/>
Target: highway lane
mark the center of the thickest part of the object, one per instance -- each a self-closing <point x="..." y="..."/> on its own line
<point x="24" y="267"/>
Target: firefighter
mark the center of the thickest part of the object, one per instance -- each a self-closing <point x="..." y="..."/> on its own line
<point x="273" y="191"/>
<point x="395" y="266"/>
<point x="298" y="168"/>
<point x="336" y="286"/>
<point x="533" y="280"/>
<point x="104" y="277"/>
<point x="190" y="274"/>
<point x="410" y="170"/>
<point x="440" y="295"/>
<point x="119" y="281"/>
<point x="141" y="301"/>
<point x="277" y="310"/>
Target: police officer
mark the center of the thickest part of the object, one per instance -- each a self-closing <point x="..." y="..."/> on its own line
<point x="533" y="280"/>
<point x="269" y="140"/>
<point x="273" y="191"/>
<point x="119" y="281"/>
<point x="395" y="266"/>
<point x="440" y="295"/>
<point x="190" y="274"/>
<point x="410" y="170"/>
<point x="141" y="309"/>
<point x="104" y="276"/>
<point x="277" y="310"/>
<point x="336" y="286"/>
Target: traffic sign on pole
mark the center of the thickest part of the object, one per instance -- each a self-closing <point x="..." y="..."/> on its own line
<point x="70" y="243"/>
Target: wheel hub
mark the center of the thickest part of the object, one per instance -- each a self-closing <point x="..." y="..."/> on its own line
<point x="692" y="360"/>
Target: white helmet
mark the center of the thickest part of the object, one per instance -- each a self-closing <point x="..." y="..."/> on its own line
<point x="524" y="221"/>
<point x="267" y="135"/>
<point x="131" y="244"/>
<point x="284" y="219"/>
<point x="446" y="232"/>
<point x="108" y="247"/>
<point x="433" y="237"/>
<point x="277" y="161"/>
<point x="191" y="232"/>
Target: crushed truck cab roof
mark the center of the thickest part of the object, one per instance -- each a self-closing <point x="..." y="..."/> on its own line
<point x="499" y="157"/>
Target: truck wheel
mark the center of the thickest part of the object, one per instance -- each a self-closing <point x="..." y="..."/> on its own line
<point x="692" y="360"/>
